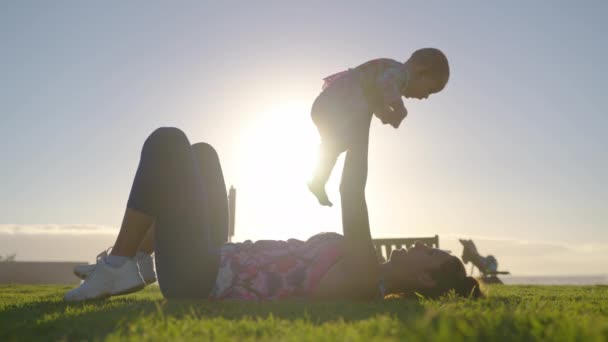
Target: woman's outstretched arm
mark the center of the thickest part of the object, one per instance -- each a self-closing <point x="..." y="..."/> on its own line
<point x="360" y="254"/>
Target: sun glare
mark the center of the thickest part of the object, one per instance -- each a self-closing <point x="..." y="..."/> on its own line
<point x="276" y="157"/>
<point x="281" y="145"/>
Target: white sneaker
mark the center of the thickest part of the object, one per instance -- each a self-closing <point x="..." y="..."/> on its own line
<point x="144" y="261"/>
<point x="83" y="271"/>
<point x="106" y="281"/>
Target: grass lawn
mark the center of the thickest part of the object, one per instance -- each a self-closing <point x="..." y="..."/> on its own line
<point x="541" y="313"/>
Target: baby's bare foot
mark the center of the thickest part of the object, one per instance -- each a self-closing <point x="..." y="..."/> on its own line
<point x="320" y="194"/>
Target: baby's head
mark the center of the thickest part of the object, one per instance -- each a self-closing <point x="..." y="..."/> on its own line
<point x="429" y="72"/>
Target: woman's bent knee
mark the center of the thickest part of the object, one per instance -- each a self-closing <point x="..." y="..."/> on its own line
<point x="167" y="137"/>
<point x="206" y="151"/>
<point x="168" y="134"/>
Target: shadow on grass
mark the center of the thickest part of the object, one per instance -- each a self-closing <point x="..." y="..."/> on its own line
<point x="49" y="318"/>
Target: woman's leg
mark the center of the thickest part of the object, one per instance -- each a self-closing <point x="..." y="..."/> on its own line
<point x="147" y="244"/>
<point x="217" y="197"/>
<point x="170" y="186"/>
<point x="133" y="230"/>
<point x="139" y="222"/>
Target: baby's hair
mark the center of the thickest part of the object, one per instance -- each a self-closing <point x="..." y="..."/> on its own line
<point x="435" y="65"/>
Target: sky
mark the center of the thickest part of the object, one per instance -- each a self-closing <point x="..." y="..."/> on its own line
<point x="513" y="153"/>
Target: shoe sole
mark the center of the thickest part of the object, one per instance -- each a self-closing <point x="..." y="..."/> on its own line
<point x="150" y="281"/>
<point x="83" y="276"/>
<point x="131" y="290"/>
<point x="108" y="295"/>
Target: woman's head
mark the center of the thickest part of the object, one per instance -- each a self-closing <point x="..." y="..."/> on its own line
<point x="430" y="272"/>
<point x="429" y="72"/>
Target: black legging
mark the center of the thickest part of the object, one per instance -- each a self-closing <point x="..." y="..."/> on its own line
<point x="183" y="188"/>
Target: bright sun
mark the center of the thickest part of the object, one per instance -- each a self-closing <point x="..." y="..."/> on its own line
<point x="280" y="146"/>
<point x="276" y="156"/>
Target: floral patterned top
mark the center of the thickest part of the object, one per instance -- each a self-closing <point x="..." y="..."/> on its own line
<point x="270" y="270"/>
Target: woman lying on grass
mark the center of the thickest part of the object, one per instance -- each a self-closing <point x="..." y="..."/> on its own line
<point x="179" y="194"/>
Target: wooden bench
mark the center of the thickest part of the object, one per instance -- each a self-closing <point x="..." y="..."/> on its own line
<point x="386" y="245"/>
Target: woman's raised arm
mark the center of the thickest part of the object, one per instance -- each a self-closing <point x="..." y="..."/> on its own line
<point x="360" y="254"/>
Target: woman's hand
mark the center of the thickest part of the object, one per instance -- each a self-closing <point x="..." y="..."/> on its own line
<point x="392" y="114"/>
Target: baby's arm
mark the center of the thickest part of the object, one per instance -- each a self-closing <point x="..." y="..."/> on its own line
<point x="391" y="111"/>
<point x="389" y="83"/>
<point x="398" y="107"/>
<point x="383" y="113"/>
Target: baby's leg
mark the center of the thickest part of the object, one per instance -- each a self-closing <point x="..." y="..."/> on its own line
<point x="333" y="113"/>
<point x="328" y="155"/>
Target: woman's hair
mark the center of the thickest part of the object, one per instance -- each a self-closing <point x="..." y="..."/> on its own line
<point x="451" y="275"/>
<point x="435" y="65"/>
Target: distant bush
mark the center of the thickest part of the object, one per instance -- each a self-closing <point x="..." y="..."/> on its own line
<point x="8" y="257"/>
